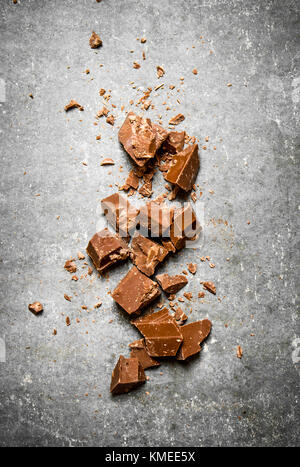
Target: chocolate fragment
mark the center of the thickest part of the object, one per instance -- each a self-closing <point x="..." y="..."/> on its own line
<point x="184" y="168"/>
<point x="174" y="142"/>
<point x="95" y="41"/>
<point x="138" y="350"/>
<point x="107" y="161"/>
<point x="72" y="105"/>
<point x="192" y="268"/>
<point x="70" y="266"/>
<point x="106" y="248"/>
<point x="177" y="119"/>
<point x="162" y="335"/>
<point x="171" y="284"/>
<point x="185" y="226"/>
<point x="156" y="220"/>
<point x="193" y="334"/>
<point x="35" y="308"/>
<point x="141" y="138"/>
<point x="180" y="316"/>
<point x="169" y="246"/>
<point x="146" y="254"/>
<point x="239" y="351"/>
<point x="120" y="214"/>
<point x="127" y="375"/>
<point x="135" y="291"/>
<point x="210" y="286"/>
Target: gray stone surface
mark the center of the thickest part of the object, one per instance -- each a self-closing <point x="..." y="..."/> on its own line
<point x="217" y="399"/>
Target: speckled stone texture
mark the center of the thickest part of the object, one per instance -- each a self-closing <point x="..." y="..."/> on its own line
<point x="50" y="385"/>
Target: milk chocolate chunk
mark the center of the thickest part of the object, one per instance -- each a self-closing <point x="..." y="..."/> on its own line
<point x="174" y="142"/>
<point x="146" y="254"/>
<point x="156" y="220"/>
<point x="171" y="284"/>
<point x="140" y="138"/>
<point x="210" y="286"/>
<point x="185" y="226"/>
<point x="95" y="41"/>
<point x="180" y="316"/>
<point x="162" y="334"/>
<point x="184" y="168"/>
<point x="35" y="308"/>
<point x="120" y="214"/>
<point x="138" y="350"/>
<point x="193" y="334"/>
<point x="106" y="248"/>
<point x="135" y="291"/>
<point x="127" y="375"/>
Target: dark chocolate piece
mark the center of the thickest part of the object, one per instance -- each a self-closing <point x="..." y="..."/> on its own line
<point x="106" y="248"/>
<point x="156" y="220"/>
<point x="146" y="254"/>
<point x="184" y="168"/>
<point x="35" y="308"/>
<point x="140" y="138"/>
<point x="138" y="350"/>
<point x="174" y="142"/>
<point x="120" y="214"/>
<point x="193" y="334"/>
<point x="161" y="332"/>
<point x="135" y="291"/>
<point x="171" y="284"/>
<point x="127" y="375"/>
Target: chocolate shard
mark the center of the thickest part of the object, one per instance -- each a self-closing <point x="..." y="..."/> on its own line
<point x="106" y="248"/>
<point x="184" y="168"/>
<point x="161" y="332"/>
<point x="193" y="334"/>
<point x="156" y="220"/>
<point x="120" y="214"/>
<point x="210" y="286"/>
<point x="135" y="291"/>
<point x="180" y="316"/>
<point x="171" y="284"/>
<point x="146" y="254"/>
<point x="95" y="41"/>
<point x="185" y="226"/>
<point x="139" y="351"/>
<point x="127" y="375"/>
<point x="140" y="138"/>
<point x="35" y="308"/>
<point x="174" y="142"/>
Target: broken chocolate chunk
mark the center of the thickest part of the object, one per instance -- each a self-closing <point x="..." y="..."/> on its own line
<point x="156" y="220"/>
<point x="70" y="266"/>
<point x="72" y="105"/>
<point x="127" y="375"/>
<point x="184" y="168"/>
<point x="161" y="332"/>
<point x="120" y="214"/>
<point x="35" y="308"/>
<point x="177" y="119"/>
<point x="140" y="138"/>
<point x="185" y="226"/>
<point x="210" y="286"/>
<point x="193" y="334"/>
<point x="146" y="254"/>
<point x="180" y="316"/>
<point x="135" y="291"/>
<point x="192" y="268"/>
<point x="174" y="142"/>
<point x="106" y="248"/>
<point x="95" y="41"/>
<point x="138" y="350"/>
<point x="171" y="284"/>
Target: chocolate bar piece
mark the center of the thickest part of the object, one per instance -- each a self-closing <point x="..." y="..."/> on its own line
<point x="184" y="168"/>
<point x="146" y="254"/>
<point x="174" y="142"/>
<point x="161" y="332"/>
<point x="171" y="284"/>
<point x="106" y="248"/>
<point x="127" y="375"/>
<point x="120" y="214"/>
<point x="135" y="291"/>
<point x="156" y="220"/>
<point x="140" y="138"/>
<point x="193" y="334"/>
<point x="138" y="350"/>
<point x="185" y="226"/>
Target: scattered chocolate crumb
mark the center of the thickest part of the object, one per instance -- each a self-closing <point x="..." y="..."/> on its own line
<point x="70" y="266"/>
<point x="136" y="65"/>
<point x="188" y="295"/>
<point x="67" y="297"/>
<point x="107" y="161"/>
<point x="102" y="92"/>
<point x="192" y="268"/>
<point x="72" y="105"/>
<point x="35" y="308"/>
<point x="54" y="332"/>
<point x="68" y="322"/>
<point x="111" y="120"/>
<point x="143" y="40"/>
<point x="195" y="71"/>
<point x="90" y="271"/>
<point x="239" y="351"/>
<point x="212" y="265"/>
<point x="194" y="197"/>
<point x="74" y="278"/>
<point x="160" y="71"/>
<point x="80" y="255"/>
<point x="98" y="305"/>
<point x="201" y="294"/>
<point x="177" y="119"/>
<point x="210" y="286"/>
<point x="95" y="41"/>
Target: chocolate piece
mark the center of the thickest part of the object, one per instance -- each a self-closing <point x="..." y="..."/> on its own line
<point x="177" y="119"/>
<point x="180" y="316"/>
<point x="174" y="142"/>
<point x="135" y="291"/>
<point x="133" y="180"/>
<point x="193" y="335"/>
<point x="239" y="351"/>
<point x="35" y="308"/>
<point x="210" y="286"/>
<point x="72" y="105"/>
<point x="185" y="226"/>
<point x="184" y="168"/>
<point x="192" y="268"/>
<point x="95" y="41"/>
<point x="70" y="266"/>
<point x="106" y="248"/>
<point x="140" y="138"/>
<point x="156" y="220"/>
<point x="138" y="350"/>
<point x="162" y="335"/>
<point x="120" y="214"/>
<point x="171" y="284"/>
<point x="169" y="246"/>
<point x="127" y="375"/>
<point x="107" y="161"/>
<point x="146" y="254"/>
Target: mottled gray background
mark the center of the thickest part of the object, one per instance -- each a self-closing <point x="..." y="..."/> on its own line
<point x="217" y="399"/>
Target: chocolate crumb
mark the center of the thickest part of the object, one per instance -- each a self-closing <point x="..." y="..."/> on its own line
<point x="95" y="41"/>
<point x="35" y="308"/>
